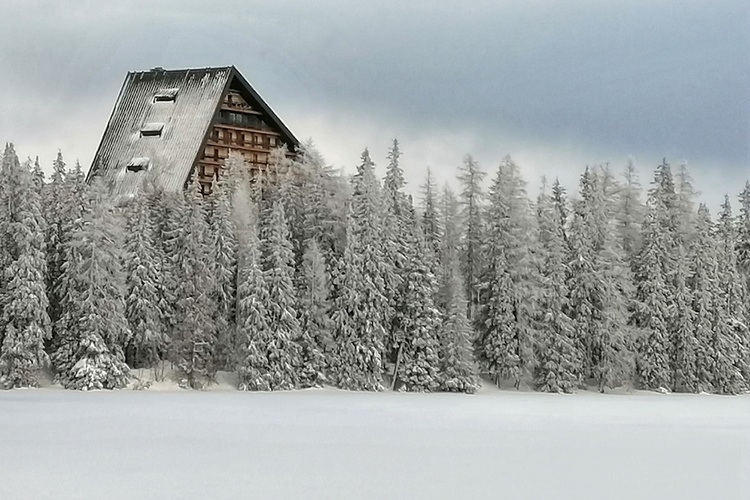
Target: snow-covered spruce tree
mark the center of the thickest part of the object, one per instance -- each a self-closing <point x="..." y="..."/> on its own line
<point x="277" y="254"/>
<point x="736" y="337"/>
<point x="630" y="214"/>
<point x="143" y="281"/>
<point x="450" y="244"/>
<point x="57" y="211"/>
<point x="194" y="342"/>
<point x="361" y="306"/>
<point x="507" y="284"/>
<point x="471" y="196"/>
<point x="167" y="211"/>
<point x="325" y="196"/>
<point x="651" y="312"/>
<point x="253" y="335"/>
<point x="314" y="310"/>
<point x="430" y="216"/>
<point x="560" y="362"/>
<point x="743" y="236"/>
<point x="417" y="320"/>
<point x="705" y="293"/>
<point x="93" y="328"/>
<point x="560" y="202"/>
<point x="396" y="227"/>
<point x="24" y="320"/>
<point x="459" y="371"/>
<point x="598" y="284"/>
<point x="222" y="244"/>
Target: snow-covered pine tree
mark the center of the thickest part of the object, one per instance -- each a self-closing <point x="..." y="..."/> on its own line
<point x="430" y="216"/>
<point x="743" y="235"/>
<point x="507" y="284"/>
<point x="704" y="289"/>
<point x="560" y="362"/>
<point x="56" y="198"/>
<point x="222" y="243"/>
<point x="654" y="293"/>
<point x="194" y="342"/>
<point x="143" y="282"/>
<point x="735" y="344"/>
<point x="361" y="306"/>
<point x="24" y="321"/>
<point x="450" y="245"/>
<point x="93" y="328"/>
<point x="396" y="226"/>
<point x="277" y="254"/>
<point x="471" y="196"/>
<point x="598" y="283"/>
<point x="253" y="335"/>
<point x="167" y="211"/>
<point x="459" y="371"/>
<point x="630" y="214"/>
<point x="314" y="316"/>
<point x="417" y="320"/>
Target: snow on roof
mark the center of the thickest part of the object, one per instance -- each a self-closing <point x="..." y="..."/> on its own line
<point x="189" y="116"/>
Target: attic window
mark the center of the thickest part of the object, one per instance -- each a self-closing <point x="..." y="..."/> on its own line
<point x="152" y="129"/>
<point x="166" y="95"/>
<point x="138" y="164"/>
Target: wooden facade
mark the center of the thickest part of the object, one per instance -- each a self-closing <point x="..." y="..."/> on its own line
<point x="172" y="124"/>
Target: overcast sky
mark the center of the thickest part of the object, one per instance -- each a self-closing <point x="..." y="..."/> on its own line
<point x="558" y="85"/>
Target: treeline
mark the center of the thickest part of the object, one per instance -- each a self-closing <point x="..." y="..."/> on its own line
<point x="304" y="278"/>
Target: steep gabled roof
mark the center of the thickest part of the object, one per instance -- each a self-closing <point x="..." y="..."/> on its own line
<point x="164" y="116"/>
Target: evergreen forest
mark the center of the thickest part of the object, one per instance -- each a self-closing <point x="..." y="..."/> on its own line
<point x="305" y="277"/>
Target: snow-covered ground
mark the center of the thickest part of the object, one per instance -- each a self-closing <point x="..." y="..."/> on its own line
<point x="334" y="444"/>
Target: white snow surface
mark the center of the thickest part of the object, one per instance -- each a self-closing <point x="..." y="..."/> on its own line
<point x="335" y="444"/>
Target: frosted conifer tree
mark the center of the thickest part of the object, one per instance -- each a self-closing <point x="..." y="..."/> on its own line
<point x="599" y="285"/>
<point x="223" y="267"/>
<point x="450" y="244"/>
<point x="630" y="214"/>
<point x="194" y="342"/>
<point x="24" y="320"/>
<point x="471" y="196"/>
<point x="507" y="285"/>
<point x="143" y="301"/>
<point x="459" y="371"/>
<point x="315" y="323"/>
<point x="283" y="352"/>
<point x="559" y="359"/>
<point x="733" y="371"/>
<point x="417" y="319"/>
<point x="743" y="235"/>
<point x="430" y="216"/>
<point x="362" y="308"/>
<point x="56" y="205"/>
<point x="704" y="288"/>
<point x="253" y="329"/>
<point x="93" y="326"/>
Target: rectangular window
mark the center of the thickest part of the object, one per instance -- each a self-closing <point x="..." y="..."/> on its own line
<point x="138" y="164"/>
<point x="166" y="95"/>
<point x="272" y="141"/>
<point x="152" y="129"/>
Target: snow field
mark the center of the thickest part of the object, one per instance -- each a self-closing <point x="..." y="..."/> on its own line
<point x="338" y="444"/>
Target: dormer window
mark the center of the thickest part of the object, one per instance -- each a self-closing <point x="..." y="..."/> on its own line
<point x="152" y="129"/>
<point x="139" y="164"/>
<point x="166" y="95"/>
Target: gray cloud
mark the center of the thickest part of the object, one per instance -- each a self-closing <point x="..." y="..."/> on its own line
<point x="558" y="84"/>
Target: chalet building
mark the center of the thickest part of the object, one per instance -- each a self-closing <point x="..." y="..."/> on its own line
<point x="168" y="124"/>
